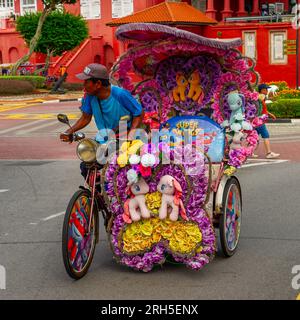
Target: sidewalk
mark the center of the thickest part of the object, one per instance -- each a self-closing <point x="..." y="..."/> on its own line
<point x="43" y="97"/>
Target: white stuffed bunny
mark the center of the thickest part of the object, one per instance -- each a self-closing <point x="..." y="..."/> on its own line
<point x="171" y="196"/>
<point x="135" y="208"/>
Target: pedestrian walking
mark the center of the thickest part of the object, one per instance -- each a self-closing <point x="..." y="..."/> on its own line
<point x="263" y="130"/>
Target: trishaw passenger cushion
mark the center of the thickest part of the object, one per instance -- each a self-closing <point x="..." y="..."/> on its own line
<point x="210" y="134"/>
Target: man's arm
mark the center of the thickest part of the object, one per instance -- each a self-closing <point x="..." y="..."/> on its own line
<point x="136" y="123"/>
<point x="81" y="123"/>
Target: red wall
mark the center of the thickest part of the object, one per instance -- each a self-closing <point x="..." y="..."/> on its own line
<point x="103" y="37"/>
<point x="269" y="72"/>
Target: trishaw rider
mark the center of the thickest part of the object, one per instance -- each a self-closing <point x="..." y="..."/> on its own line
<point x="107" y="103"/>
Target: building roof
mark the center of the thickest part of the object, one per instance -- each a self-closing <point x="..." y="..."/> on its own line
<point x="170" y="13"/>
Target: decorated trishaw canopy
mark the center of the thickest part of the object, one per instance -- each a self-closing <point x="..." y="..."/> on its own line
<point x="144" y="32"/>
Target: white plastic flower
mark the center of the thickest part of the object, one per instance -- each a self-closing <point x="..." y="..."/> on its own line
<point x="148" y="160"/>
<point x="134" y="159"/>
<point x="239" y="117"/>
<point x="132" y="176"/>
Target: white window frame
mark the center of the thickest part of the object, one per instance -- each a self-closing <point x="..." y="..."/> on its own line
<point x="274" y="56"/>
<point x="89" y="4"/>
<point x="122" y="8"/>
<point x="246" y="48"/>
<point x="6" y="10"/>
<point x="24" y="6"/>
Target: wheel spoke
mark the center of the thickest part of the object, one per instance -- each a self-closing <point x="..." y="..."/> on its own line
<point x="81" y="249"/>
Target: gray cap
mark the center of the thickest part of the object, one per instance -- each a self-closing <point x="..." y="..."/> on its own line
<point x="93" y="70"/>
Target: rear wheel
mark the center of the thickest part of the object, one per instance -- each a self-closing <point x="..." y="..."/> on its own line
<point x="230" y="220"/>
<point x="78" y="244"/>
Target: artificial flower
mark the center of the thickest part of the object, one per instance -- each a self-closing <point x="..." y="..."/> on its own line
<point x="122" y="159"/>
<point x="230" y="171"/>
<point x="145" y="171"/>
<point x="148" y="160"/>
<point x="134" y="159"/>
<point x="135" y="146"/>
<point x="153" y="201"/>
<point x="132" y="176"/>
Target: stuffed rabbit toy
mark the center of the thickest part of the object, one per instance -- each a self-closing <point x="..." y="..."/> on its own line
<point x="135" y="208"/>
<point x="237" y="120"/>
<point x="171" y="196"/>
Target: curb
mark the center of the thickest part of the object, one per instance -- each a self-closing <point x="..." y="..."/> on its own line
<point x="61" y="100"/>
<point x="44" y="101"/>
<point x="284" y="121"/>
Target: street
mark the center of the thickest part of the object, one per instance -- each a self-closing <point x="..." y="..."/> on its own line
<point x="39" y="174"/>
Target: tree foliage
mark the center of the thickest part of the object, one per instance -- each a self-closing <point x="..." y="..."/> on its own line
<point x="61" y="31"/>
<point x="52" y="4"/>
<point x="49" y="6"/>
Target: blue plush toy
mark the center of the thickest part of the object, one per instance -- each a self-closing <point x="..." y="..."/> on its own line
<point x="237" y="121"/>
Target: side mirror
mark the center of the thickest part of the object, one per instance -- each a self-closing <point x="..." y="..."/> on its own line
<point x="63" y="118"/>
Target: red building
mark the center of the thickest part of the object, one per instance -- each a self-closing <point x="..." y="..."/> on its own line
<point x="263" y="35"/>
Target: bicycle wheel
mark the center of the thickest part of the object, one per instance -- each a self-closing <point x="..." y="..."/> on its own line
<point x="230" y="220"/>
<point x="78" y="244"/>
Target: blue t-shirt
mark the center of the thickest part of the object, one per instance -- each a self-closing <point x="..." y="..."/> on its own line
<point x="119" y="104"/>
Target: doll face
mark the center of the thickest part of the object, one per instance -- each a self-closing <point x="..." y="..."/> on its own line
<point x="140" y="187"/>
<point x="235" y="102"/>
<point x="166" y="185"/>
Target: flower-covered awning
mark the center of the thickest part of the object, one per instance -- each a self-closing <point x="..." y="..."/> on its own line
<point x="144" y="32"/>
<point x="153" y="43"/>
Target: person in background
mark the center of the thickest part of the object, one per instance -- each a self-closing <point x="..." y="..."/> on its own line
<point x="262" y="130"/>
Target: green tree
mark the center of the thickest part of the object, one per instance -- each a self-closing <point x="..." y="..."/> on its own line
<point x="61" y="32"/>
<point x="49" y="6"/>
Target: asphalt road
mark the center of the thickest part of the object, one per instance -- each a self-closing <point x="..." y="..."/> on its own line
<point x="30" y="245"/>
<point x="35" y="193"/>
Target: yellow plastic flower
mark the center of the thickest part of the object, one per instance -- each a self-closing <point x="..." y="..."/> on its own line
<point x="153" y="201"/>
<point x="147" y="228"/>
<point x="135" y="146"/>
<point x="183" y="237"/>
<point x="230" y="171"/>
<point x="122" y="159"/>
<point x="124" y="147"/>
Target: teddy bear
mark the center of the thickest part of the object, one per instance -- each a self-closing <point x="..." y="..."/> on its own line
<point x="195" y="91"/>
<point x="182" y="84"/>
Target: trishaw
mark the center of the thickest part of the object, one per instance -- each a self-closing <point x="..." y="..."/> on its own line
<point x="199" y="102"/>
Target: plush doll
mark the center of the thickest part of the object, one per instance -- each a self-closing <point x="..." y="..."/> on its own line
<point x="179" y="91"/>
<point x="195" y="92"/>
<point x="237" y="121"/>
<point x="135" y="208"/>
<point x="237" y="140"/>
<point x="171" y="196"/>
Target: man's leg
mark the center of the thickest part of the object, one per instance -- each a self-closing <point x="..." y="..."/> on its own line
<point x="266" y="136"/>
<point x="267" y="146"/>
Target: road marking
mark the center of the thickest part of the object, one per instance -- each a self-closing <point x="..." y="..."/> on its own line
<point x="4" y="190"/>
<point x="36" y="116"/>
<point x="28" y="124"/>
<point x="16" y="106"/>
<point x="265" y="162"/>
<point x="48" y="124"/>
<point x="33" y="223"/>
<point x="54" y="216"/>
